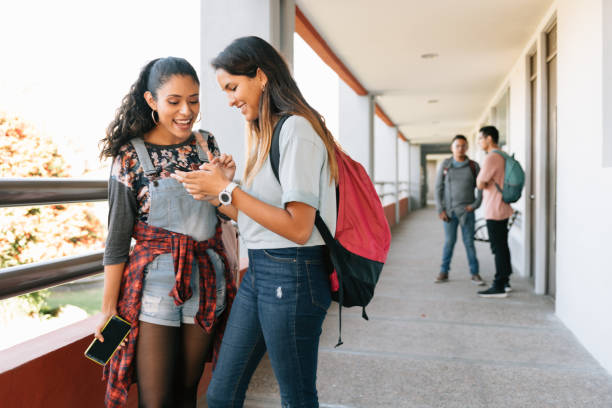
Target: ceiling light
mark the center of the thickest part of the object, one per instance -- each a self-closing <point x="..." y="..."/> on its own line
<point x="429" y="55"/>
<point x="432" y="101"/>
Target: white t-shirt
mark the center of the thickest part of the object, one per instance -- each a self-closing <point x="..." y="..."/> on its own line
<point x="304" y="177"/>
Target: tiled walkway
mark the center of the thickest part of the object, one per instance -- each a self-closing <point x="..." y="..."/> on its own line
<point x="439" y="345"/>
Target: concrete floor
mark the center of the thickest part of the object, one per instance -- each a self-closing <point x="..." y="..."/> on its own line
<point x="439" y="345"/>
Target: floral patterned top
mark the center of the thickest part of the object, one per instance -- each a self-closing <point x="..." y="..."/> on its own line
<point x="128" y="188"/>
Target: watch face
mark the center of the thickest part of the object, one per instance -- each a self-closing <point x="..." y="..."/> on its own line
<point x="224" y="197"/>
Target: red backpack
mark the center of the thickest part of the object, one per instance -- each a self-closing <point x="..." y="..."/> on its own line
<point x="359" y="248"/>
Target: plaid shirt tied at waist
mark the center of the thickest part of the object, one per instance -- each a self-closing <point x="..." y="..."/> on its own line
<point x="150" y="242"/>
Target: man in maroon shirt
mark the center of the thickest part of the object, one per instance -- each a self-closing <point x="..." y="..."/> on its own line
<point x="497" y="212"/>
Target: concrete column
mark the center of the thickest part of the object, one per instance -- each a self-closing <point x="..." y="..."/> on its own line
<point x="385" y="152"/>
<point x="371" y="113"/>
<point x="607" y="85"/>
<point x="397" y="198"/>
<point x="221" y="23"/>
<point x="415" y="174"/>
<point x="409" y="165"/>
<point x="356" y="126"/>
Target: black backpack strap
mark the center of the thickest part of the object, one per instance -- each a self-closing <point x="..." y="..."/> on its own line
<point x="275" y="146"/>
<point x="319" y="223"/>
<point x="472" y="165"/>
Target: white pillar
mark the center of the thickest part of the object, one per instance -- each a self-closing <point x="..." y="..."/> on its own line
<point x="371" y="144"/>
<point x="415" y="174"/>
<point x="221" y="23"/>
<point x="409" y="192"/>
<point x="356" y="126"/>
<point x="397" y="198"/>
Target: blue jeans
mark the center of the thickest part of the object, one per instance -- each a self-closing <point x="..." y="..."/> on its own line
<point x="467" y="233"/>
<point x="280" y="306"/>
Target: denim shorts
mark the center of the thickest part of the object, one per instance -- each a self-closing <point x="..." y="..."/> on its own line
<point x="158" y="306"/>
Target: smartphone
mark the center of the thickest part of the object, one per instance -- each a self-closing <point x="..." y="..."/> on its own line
<point x="114" y="332"/>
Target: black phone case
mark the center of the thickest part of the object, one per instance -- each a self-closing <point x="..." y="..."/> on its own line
<point x="114" y="332"/>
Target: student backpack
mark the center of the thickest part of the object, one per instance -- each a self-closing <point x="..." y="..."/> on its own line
<point x="359" y="248"/>
<point x="514" y="179"/>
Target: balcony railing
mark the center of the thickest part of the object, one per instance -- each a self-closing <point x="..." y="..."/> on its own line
<point x="403" y="187"/>
<point x="22" y="279"/>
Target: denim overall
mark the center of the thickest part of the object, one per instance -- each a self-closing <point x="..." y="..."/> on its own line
<point x="174" y="209"/>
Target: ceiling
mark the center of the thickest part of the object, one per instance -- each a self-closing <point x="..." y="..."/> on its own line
<point x="381" y="43"/>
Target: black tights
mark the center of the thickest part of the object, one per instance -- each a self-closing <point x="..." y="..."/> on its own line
<point x="169" y="364"/>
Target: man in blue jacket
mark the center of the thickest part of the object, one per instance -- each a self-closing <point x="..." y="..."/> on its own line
<point x="456" y="200"/>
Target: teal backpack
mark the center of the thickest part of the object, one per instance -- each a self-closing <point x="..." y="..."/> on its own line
<point x="514" y="179"/>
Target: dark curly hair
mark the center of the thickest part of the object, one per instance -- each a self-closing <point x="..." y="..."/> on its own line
<point x="134" y="116"/>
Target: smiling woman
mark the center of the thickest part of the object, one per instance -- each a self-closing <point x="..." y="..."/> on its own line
<point x="174" y="287"/>
<point x="283" y="308"/>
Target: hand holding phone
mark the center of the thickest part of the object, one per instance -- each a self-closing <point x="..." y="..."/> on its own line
<point x="113" y="333"/>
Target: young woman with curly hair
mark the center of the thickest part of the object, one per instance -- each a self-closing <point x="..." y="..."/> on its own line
<point x="174" y="287"/>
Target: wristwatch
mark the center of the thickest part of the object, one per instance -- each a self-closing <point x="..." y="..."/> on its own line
<point x="225" y="196"/>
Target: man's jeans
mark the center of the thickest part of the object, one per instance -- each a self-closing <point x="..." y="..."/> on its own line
<point x="498" y="236"/>
<point x="467" y="233"/>
<point x="279" y="307"/>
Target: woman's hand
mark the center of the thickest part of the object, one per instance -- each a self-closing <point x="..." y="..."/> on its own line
<point x="207" y="183"/>
<point x="103" y="319"/>
<point x="226" y="162"/>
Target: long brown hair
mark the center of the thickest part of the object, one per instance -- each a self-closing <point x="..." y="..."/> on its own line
<point x="281" y="96"/>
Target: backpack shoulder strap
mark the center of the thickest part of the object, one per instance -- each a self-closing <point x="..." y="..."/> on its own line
<point x="472" y="165"/>
<point x="275" y="146"/>
<point x="275" y="162"/>
<point x="446" y="164"/>
<point x="502" y="154"/>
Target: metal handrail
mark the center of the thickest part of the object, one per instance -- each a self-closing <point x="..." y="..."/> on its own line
<point x="391" y="182"/>
<point x="21" y="279"/>
<point x="35" y="276"/>
<point x="41" y="191"/>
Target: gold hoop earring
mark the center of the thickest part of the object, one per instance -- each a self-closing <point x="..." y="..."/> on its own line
<point x="153" y="117"/>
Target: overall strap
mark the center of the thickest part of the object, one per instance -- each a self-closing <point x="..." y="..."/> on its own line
<point x="202" y="145"/>
<point x="143" y="156"/>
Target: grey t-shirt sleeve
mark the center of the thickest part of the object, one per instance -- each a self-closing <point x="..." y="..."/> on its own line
<point x="122" y="209"/>
<point x="439" y="188"/>
<point x="302" y="157"/>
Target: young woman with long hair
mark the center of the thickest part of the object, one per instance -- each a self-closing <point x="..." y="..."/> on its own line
<point x="174" y="286"/>
<point x="284" y="296"/>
